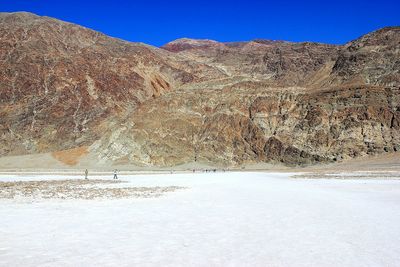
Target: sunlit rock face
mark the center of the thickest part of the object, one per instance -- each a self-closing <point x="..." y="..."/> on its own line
<point x="63" y="86"/>
<point x="60" y="84"/>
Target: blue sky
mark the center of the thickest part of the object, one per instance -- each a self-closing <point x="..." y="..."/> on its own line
<point x="158" y="22"/>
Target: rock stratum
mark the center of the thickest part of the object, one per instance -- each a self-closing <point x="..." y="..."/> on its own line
<point x="73" y="92"/>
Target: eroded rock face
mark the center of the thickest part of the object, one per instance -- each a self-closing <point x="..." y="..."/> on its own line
<point x="285" y="126"/>
<point x="63" y="86"/>
<point x="371" y="59"/>
<point x="281" y="63"/>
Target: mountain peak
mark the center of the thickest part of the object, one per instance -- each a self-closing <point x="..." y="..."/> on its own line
<point x="187" y="43"/>
<point x="20" y="16"/>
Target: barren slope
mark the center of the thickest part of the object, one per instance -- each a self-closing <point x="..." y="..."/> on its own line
<point x="60" y="84"/>
<point x="335" y="114"/>
<point x="65" y="87"/>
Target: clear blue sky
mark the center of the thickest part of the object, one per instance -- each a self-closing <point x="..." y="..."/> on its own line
<point x="158" y="22"/>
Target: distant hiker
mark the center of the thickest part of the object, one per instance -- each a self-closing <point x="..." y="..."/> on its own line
<point x="115" y="174"/>
<point x="86" y="174"/>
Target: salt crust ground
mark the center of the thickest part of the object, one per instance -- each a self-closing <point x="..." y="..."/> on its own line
<point x="88" y="189"/>
<point x="221" y="219"/>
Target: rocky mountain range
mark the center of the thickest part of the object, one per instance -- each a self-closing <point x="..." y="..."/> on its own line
<point x="65" y="88"/>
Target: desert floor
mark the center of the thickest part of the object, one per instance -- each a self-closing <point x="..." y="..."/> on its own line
<point x="201" y="219"/>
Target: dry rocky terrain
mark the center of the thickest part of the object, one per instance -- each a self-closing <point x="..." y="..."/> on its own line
<point x="76" y="93"/>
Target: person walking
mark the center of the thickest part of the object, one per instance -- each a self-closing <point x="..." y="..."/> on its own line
<point x="115" y="174"/>
<point x="86" y="174"/>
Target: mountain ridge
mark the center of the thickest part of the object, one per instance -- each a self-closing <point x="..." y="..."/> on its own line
<point x="63" y="86"/>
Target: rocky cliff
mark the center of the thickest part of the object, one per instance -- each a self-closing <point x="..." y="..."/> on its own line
<point x="63" y="86"/>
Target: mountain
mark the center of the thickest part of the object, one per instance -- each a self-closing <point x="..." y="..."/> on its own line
<point x="66" y="88"/>
<point x="280" y="63"/>
<point x="62" y="84"/>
